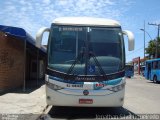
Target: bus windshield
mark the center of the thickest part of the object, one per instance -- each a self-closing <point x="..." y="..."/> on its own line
<point x="86" y="50"/>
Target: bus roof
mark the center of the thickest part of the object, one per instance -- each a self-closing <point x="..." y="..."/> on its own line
<point x="152" y="60"/>
<point x="86" y="21"/>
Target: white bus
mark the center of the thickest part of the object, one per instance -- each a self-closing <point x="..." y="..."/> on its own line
<point x="86" y="62"/>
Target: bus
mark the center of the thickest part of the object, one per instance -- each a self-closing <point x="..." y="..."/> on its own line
<point x="86" y="62"/>
<point x="129" y="71"/>
<point x="152" y="70"/>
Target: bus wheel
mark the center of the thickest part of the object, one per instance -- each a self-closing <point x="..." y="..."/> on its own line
<point x="155" y="79"/>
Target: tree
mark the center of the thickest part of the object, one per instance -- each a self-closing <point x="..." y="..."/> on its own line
<point x="151" y="49"/>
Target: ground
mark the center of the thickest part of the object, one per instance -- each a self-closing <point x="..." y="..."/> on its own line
<point x="29" y="104"/>
<point x="141" y="97"/>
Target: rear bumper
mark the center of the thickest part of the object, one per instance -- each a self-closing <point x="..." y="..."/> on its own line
<point x="59" y="99"/>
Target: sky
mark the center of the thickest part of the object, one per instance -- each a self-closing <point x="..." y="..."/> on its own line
<point x="31" y="15"/>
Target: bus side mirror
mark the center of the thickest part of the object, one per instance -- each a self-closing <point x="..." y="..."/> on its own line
<point x="130" y="39"/>
<point x="39" y="36"/>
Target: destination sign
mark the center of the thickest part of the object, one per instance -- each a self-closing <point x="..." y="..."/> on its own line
<point x="70" y="29"/>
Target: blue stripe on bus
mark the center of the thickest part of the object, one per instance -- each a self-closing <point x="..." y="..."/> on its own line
<point x="108" y="82"/>
<point x="65" y="81"/>
<point x="113" y="82"/>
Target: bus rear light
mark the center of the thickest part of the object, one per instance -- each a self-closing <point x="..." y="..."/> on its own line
<point x="117" y="88"/>
<point x="53" y="86"/>
<point x="56" y="87"/>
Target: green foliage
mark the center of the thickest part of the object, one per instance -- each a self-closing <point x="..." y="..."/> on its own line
<point x="151" y="49"/>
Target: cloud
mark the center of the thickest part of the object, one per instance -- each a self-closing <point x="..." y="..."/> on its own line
<point x="46" y="2"/>
<point x="156" y="21"/>
<point x="83" y="7"/>
<point x="31" y="15"/>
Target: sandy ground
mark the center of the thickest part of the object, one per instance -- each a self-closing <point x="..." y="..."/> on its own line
<point x="20" y="104"/>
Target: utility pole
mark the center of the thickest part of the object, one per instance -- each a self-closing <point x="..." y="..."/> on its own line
<point x="158" y="25"/>
<point x="144" y="39"/>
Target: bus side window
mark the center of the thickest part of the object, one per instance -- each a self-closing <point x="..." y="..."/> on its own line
<point x="158" y="64"/>
<point x="155" y="65"/>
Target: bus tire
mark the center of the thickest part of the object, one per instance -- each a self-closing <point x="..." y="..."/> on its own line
<point x="155" y="79"/>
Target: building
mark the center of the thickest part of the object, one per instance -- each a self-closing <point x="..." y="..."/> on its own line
<point x="22" y="64"/>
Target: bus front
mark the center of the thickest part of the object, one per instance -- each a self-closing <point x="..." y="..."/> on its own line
<point x="85" y="65"/>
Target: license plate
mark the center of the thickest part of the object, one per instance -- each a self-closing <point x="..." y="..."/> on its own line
<point x="85" y="101"/>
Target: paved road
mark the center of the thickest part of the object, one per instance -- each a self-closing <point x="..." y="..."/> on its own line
<point x="141" y="97"/>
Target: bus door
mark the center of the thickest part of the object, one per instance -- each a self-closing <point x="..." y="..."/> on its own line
<point x="148" y="72"/>
<point x="154" y="70"/>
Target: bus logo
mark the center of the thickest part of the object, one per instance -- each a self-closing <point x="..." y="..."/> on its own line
<point x="85" y="92"/>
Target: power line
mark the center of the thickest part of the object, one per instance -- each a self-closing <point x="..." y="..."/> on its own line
<point x="134" y="51"/>
<point x="138" y="48"/>
<point x="146" y="41"/>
